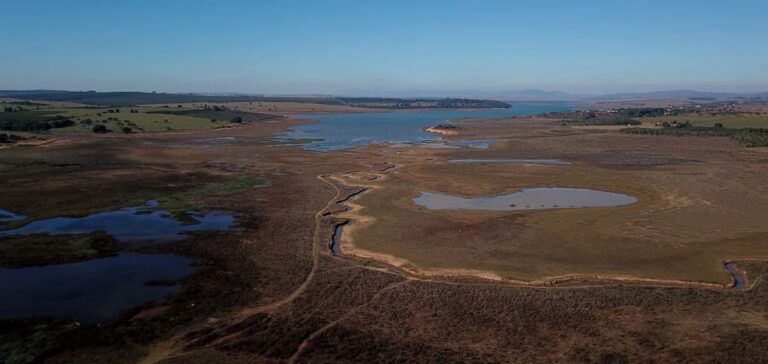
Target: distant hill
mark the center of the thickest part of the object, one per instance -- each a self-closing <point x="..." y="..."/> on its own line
<point x="691" y="94"/>
<point x="535" y="94"/>
<point x="121" y="99"/>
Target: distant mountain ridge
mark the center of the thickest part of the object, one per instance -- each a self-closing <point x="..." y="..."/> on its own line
<point x="122" y="98"/>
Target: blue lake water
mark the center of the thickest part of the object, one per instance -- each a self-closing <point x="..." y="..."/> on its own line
<point x="92" y="292"/>
<point x="139" y="223"/>
<point x="339" y="131"/>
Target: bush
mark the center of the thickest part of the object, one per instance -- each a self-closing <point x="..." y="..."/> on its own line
<point x="10" y="138"/>
<point x="236" y="119"/>
<point x="127" y="130"/>
<point x="749" y="137"/>
<point x="100" y="129"/>
<point x="35" y="125"/>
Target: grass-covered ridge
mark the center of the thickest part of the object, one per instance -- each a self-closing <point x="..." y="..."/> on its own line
<point x="124" y="99"/>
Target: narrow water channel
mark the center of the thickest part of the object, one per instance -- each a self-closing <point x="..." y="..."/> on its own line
<point x="738" y="279"/>
<point x="336" y="238"/>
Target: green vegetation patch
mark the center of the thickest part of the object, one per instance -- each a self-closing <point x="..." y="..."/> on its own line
<point x="749" y="137"/>
<point x="34" y="121"/>
<point x="217" y="114"/>
<point x="23" y="342"/>
<point x="729" y="120"/>
<point x="43" y="249"/>
<point x="11" y="138"/>
<point x="596" y="117"/>
<point x="178" y="204"/>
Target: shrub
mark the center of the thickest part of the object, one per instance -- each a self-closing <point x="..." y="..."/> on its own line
<point x="100" y="129"/>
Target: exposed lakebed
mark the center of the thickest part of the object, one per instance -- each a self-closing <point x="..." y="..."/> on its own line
<point x="96" y="290"/>
<point x="526" y="199"/>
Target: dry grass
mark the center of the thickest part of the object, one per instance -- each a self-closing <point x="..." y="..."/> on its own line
<point x="357" y="310"/>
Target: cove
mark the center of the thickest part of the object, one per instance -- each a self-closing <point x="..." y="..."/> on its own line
<point x="526" y="199"/>
<point x="348" y="130"/>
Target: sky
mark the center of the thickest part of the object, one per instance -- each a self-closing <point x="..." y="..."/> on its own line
<point x="371" y="47"/>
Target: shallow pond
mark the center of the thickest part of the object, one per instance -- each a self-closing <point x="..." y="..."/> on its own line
<point x="339" y="131"/>
<point x="139" y="223"/>
<point x="509" y="161"/>
<point x="526" y="199"/>
<point x="8" y="216"/>
<point x="97" y="290"/>
<point x="477" y="144"/>
<point x="92" y="292"/>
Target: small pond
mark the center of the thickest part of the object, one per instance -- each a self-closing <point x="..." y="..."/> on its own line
<point x="92" y="292"/>
<point x="510" y="161"/>
<point x="139" y="223"/>
<point x="97" y="290"/>
<point x="526" y="199"/>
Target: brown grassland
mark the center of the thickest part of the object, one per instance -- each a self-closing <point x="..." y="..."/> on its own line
<point x="272" y="291"/>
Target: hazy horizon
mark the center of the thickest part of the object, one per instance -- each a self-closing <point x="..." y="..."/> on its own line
<point x="352" y="48"/>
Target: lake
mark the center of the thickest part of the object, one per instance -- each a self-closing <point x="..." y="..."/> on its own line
<point x="340" y="131"/>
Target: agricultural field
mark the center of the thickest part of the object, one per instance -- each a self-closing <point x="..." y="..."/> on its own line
<point x="286" y="107"/>
<point x="133" y="119"/>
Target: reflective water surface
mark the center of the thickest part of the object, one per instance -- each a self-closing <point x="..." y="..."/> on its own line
<point x="94" y="291"/>
<point x="526" y="199"/>
<point x="129" y="224"/>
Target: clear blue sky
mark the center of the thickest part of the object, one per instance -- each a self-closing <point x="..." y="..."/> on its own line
<point x="383" y="46"/>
